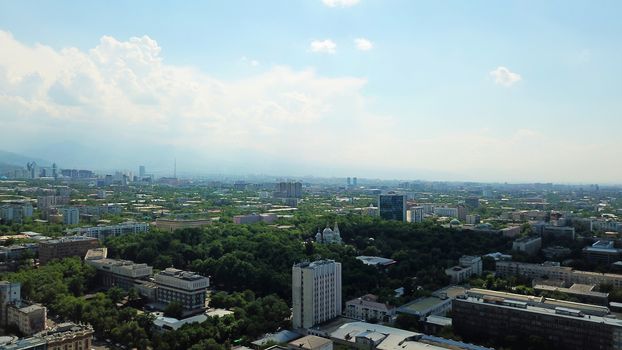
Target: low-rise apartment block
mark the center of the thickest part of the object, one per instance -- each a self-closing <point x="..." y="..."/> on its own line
<point x="187" y="288"/>
<point x="103" y="232"/>
<point x="553" y="271"/>
<point x="528" y="245"/>
<point x="468" y="266"/>
<point x="65" y="247"/>
<point x="368" y="308"/>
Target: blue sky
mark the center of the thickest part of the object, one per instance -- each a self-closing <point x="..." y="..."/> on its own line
<point x="421" y="102"/>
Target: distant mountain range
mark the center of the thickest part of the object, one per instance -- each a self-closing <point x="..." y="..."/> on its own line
<point x="10" y="161"/>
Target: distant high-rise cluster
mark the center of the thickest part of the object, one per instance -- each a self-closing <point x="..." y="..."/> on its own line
<point x="351" y="182"/>
<point x="289" y="192"/>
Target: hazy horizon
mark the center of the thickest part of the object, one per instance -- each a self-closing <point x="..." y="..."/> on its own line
<point x="514" y="92"/>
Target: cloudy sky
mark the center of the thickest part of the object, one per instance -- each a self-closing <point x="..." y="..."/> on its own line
<point x="446" y="90"/>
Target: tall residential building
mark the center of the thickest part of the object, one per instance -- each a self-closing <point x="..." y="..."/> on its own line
<point x="10" y="294"/>
<point x="316" y="292"/>
<point x="354" y="181"/>
<point x="187" y="288"/>
<point x="141" y="171"/>
<point x="349" y="181"/>
<point x="472" y="202"/>
<point x="289" y="189"/>
<point x="416" y="214"/>
<point x="71" y="216"/>
<point x="392" y="207"/>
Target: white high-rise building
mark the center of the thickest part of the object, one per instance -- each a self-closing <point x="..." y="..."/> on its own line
<point x="316" y="292"/>
<point x="416" y="214"/>
<point x="71" y="216"/>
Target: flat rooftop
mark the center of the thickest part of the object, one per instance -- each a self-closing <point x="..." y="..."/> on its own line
<point x="421" y="305"/>
<point x="547" y="311"/>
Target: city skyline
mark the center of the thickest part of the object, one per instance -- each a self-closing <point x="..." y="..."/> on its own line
<point x="519" y="92"/>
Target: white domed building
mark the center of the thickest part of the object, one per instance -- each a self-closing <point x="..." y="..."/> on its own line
<point x="328" y="236"/>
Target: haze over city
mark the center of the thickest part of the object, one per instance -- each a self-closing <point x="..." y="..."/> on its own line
<point x="519" y="91"/>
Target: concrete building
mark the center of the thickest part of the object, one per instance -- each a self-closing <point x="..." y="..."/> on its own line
<point x="103" y="232"/>
<point x="368" y="308"/>
<point x="68" y="336"/>
<point x="602" y="252"/>
<point x="32" y="343"/>
<point x="29" y="319"/>
<point x="187" y="288"/>
<point x="554" y="272"/>
<point x="556" y="252"/>
<point x="472" y="202"/>
<point x="10" y="294"/>
<point x="468" y="266"/>
<point x="311" y="342"/>
<point x="316" y="292"/>
<point x="46" y="202"/>
<point x="363" y="335"/>
<point x="65" y="247"/>
<point x="392" y="207"/>
<point x="289" y="189"/>
<point x="486" y="315"/>
<point x="171" y="225"/>
<point x="268" y="218"/>
<point x="583" y="292"/>
<point x="528" y="245"/>
<point x="416" y="214"/>
<point x="444" y="211"/>
<point x="15" y="212"/>
<point x="71" y="216"/>
<point x="438" y="304"/>
<point x="115" y="272"/>
<point x="558" y="231"/>
<point x="473" y="219"/>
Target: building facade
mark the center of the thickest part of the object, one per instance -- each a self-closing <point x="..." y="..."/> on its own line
<point x="528" y="245"/>
<point x="392" y="207"/>
<point x="316" y="292"/>
<point x="71" y="216"/>
<point x="367" y="308"/>
<point x="65" y="247"/>
<point x="103" y="232"/>
<point x="553" y="271"/>
<point x="492" y="316"/>
<point x="187" y="288"/>
<point x="468" y="266"/>
<point x="416" y="214"/>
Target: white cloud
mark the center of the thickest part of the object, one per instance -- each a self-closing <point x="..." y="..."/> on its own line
<point x="123" y="100"/>
<point x="363" y="44"/>
<point x="251" y="62"/>
<point x="323" y="46"/>
<point x="505" y="77"/>
<point x="340" y="3"/>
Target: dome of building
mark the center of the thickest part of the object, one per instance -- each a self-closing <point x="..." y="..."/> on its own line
<point x="455" y="222"/>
